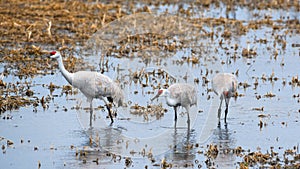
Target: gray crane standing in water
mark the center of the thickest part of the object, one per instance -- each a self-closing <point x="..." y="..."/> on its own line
<point x="179" y="94"/>
<point x="224" y="85"/>
<point x="92" y="85"/>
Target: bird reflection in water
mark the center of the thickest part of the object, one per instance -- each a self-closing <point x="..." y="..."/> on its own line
<point x="225" y="143"/>
<point x="182" y="154"/>
<point x="95" y="150"/>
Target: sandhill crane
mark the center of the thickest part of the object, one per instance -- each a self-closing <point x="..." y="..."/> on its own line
<point x="92" y="85"/>
<point x="224" y="85"/>
<point x="179" y="94"/>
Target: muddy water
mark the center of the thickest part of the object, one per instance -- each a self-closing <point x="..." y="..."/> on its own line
<point x="59" y="136"/>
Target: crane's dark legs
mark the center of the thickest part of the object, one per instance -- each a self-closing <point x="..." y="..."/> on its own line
<point x="188" y="124"/>
<point x="226" y="111"/>
<point x="175" y="109"/>
<point x="109" y="112"/>
<point x="91" y="114"/>
<point x="219" y="112"/>
<point x="108" y="107"/>
<point x="188" y="115"/>
<point x="175" y="118"/>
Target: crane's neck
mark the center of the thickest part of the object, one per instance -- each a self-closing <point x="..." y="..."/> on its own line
<point x="68" y="76"/>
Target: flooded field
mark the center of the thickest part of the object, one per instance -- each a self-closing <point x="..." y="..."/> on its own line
<point x="145" y="46"/>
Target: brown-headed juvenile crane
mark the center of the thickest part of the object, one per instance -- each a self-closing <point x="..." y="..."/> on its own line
<point x="92" y="85"/>
<point x="224" y="85"/>
<point x="179" y="94"/>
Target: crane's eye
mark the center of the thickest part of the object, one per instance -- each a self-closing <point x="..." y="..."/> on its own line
<point x="52" y="53"/>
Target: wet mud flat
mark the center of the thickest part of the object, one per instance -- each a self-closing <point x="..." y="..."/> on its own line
<point x="144" y="46"/>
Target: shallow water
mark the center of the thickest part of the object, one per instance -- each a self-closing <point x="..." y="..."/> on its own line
<point x="60" y="136"/>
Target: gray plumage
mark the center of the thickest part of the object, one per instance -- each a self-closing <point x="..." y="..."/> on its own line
<point x="224" y="85"/>
<point x="96" y="85"/>
<point x="92" y="85"/>
<point x="183" y="94"/>
<point x="179" y="94"/>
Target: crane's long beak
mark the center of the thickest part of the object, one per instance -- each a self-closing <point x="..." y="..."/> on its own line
<point x="156" y="96"/>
